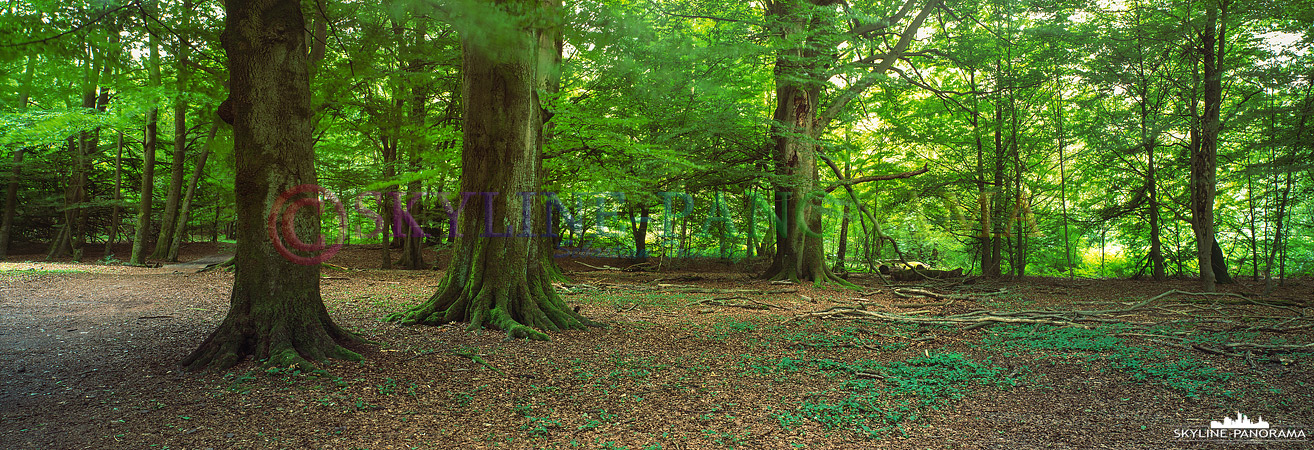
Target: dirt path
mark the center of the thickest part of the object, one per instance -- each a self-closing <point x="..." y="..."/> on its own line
<point x="89" y="354"/>
<point x="79" y="341"/>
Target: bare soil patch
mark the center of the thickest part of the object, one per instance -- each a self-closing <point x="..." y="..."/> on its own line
<point x="703" y="357"/>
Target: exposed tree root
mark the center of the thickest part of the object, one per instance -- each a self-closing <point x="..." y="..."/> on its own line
<point x="277" y="340"/>
<point x="228" y="266"/>
<point x="819" y="276"/>
<point x="1093" y="318"/>
<point x="520" y="308"/>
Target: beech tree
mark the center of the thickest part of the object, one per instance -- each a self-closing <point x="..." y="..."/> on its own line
<point x="804" y="66"/>
<point x="498" y="276"/>
<point x="149" y="143"/>
<point x="276" y="313"/>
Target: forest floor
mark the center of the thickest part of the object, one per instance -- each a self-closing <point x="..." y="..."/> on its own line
<point x="695" y="357"/>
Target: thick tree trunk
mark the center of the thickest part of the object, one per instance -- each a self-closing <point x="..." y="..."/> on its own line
<point x="498" y="276"/>
<point x="801" y="70"/>
<point x="276" y="313"/>
<point x="149" y="143"/>
<point x="799" y="254"/>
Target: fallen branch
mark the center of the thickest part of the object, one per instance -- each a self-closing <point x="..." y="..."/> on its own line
<point x="917" y="293"/>
<point x="604" y="266"/>
<point x="1243" y="299"/>
<point x="698" y="290"/>
<point x="725" y="301"/>
<point x="640" y="267"/>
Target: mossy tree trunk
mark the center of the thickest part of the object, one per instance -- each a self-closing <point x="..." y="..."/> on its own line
<point x="498" y="276"/>
<point x="799" y="80"/>
<point x="802" y="71"/>
<point x="276" y="313"/>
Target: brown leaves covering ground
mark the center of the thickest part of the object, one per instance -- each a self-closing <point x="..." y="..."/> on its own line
<point x="89" y="354"/>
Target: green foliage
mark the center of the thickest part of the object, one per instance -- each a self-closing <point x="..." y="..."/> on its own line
<point x="1174" y="370"/>
<point x="1180" y="372"/>
<point x="677" y="97"/>
<point x="874" y="398"/>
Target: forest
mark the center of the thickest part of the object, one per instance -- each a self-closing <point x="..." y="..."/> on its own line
<point x="886" y="207"/>
<point x="1059" y="138"/>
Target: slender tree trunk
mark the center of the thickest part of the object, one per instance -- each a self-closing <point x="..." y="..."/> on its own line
<point x="16" y="172"/>
<point x="173" y="201"/>
<point x="81" y="147"/>
<point x="1156" y="239"/>
<point x="387" y="203"/>
<point x="997" y="201"/>
<point x="276" y="313"/>
<point x="751" y="214"/>
<point x="843" y="246"/>
<point x="498" y="277"/>
<point x="11" y="202"/>
<point x="109" y="63"/>
<point x="175" y="241"/>
<point x="149" y="143"/>
<point x="412" y="256"/>
<point x="1063" y="176"/>
<point x="1284" y="196"/>
<point x="639" y="231"/>
<point x="116" y="210"/>
<point x="1204" y="159"/>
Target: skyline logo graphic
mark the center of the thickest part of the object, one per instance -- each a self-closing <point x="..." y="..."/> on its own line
<point x="1241" y="421"/>
<point x="1242" y="430"/>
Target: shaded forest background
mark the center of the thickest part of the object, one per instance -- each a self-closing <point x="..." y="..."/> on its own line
<point x="1061" y="138"/>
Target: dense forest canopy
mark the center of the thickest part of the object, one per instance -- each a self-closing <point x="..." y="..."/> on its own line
<point x="1059" y="138"/>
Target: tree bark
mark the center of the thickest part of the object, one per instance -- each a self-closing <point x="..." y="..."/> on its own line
<point x="149" y="143"/>
<point x="81" y="146"/>
<point x="1204" y="160"/>
<point x="16" y="172"/>
<point x="102" y="103"/>
<point x="639" y="231"/>
<point x="116" y="210"/>
<point x="11" y="202"/>
<point x="276" y="314"/>
<point x="843" y="245"/>
<point x="175" y="241"/>
<point x="412" y="256"/>
<point x="799" y="120"/>
<point x="498" y="276"/>
<point x="799" y="253"/>
<point x="173" y="201"/>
